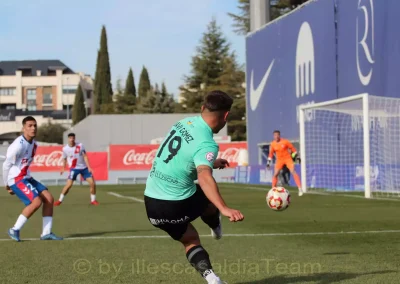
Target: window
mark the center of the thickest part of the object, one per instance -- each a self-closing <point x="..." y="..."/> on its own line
<point x="47" y="96"/>
<point x="31" y="99"/>
<point x="7" y="106"/>
<point x="8" y="91"/>
<point x="47" y="99"/>
<point x="69" y="89"/>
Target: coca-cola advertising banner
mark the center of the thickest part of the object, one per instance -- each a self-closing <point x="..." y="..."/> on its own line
<point x="140" y="157"/>
<point x="49" y="159"/>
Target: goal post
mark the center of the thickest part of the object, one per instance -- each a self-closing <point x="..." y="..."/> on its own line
<point x="351" y="144"/>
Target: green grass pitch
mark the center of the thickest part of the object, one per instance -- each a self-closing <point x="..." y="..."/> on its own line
<point x="114" y="242"/>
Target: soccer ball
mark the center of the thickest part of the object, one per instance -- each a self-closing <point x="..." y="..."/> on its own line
<point x="278" y="198"/>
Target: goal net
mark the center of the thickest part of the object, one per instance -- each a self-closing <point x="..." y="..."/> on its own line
<point x="351" y="144"/>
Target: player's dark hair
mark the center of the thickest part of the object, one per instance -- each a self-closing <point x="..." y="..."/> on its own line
<point x="28" y="118"/>
<point x="277" y="131"/>
<point x="218" y="101"/>
<point x="71" y="135"/>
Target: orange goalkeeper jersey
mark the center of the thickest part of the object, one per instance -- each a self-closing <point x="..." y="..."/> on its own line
<point x="281" y="149"/>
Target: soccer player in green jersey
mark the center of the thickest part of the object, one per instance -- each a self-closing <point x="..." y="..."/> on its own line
<point x="173" y="200"/>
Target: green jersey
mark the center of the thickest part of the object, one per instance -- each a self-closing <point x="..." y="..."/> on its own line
<point x="189" y="144"/>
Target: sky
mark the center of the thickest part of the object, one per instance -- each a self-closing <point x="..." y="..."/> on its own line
<point x="159" y="34"/>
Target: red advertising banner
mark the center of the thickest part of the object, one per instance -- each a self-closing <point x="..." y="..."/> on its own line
<point x="132" y="157"/>
<point x="49" y="159"/>
<point x="140" y="157"/>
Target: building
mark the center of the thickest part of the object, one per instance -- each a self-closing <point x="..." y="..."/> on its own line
<point x="44" y="89"/>
<point x="97" y="132"/>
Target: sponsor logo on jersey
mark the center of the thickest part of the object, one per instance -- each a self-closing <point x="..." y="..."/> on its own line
<point x="210" y="156"/>
<point x="164" y="177"/>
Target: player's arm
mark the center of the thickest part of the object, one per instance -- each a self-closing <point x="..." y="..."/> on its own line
<point x="12" y="153"/>
<point x="204" y="161"/>
<point x="270" y="155"/>
<point x="293" y="150"/>
<point x="64" y="165"/>
<point x="85" y="157"/>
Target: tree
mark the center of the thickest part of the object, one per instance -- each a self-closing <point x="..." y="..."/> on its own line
<point x="96" y="97"/>
<point x="207" y="67"/>
<point x="103" y="88"/>
<point x="78" y="110"/>
<point x="144" y="83"/>
<point x="223" y="73"/>
<point x="148" y="103"/>
<point x="126" y="102"/>
<point x="50" y="133"/>
<point x="241" y="21"/>
<point x="130" y="89"/>
<point x="168" y="104"/>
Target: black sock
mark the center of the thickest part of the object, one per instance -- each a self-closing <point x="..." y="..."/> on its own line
<point x="212" y="221"/>
<point x="200" y="260"/>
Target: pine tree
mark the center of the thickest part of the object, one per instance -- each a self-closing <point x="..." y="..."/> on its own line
<point x="167" y="100"/>
<point x="278" y="8"/>
<point x="103" y="87"/>
<point x="78" y="111"/>
<point x="241" y="21"/>
<point x="224" y="73"/>
<point x="207" y="67"/>
<point x="144" y="84"/>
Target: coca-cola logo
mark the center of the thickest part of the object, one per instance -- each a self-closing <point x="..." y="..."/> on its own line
<point x="229" y="154"/>
<point x="54" y="159"/>
<point x="139" y="158"/>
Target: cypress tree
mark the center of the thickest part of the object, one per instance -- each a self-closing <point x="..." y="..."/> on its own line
<point x="144" y="83"/>
<point x="97" y="80"/>
<point x="78" y="111"/>
<point x="103" y="87"/>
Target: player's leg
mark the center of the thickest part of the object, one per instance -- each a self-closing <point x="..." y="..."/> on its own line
<point x="181" y="230"/>
<point x="290" y="166"/>
<point x="278" y="167"/>
<point x="32" y="203"/>
<point x="47" y="210"/>
<point x="92" y="184"/>
<point x="70" y="181"/>
<point x="197" y="256"/>
<point x="208" y="212"/>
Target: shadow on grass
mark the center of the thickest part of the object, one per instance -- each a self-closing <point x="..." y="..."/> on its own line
<point x="93" y="234"/>
<point x="318" y="278"/>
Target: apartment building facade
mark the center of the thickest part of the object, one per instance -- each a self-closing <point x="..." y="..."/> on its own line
<point x="44" y="89"/>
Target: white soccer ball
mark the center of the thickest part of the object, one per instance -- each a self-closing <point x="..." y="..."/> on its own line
<point x="278" y="198"/>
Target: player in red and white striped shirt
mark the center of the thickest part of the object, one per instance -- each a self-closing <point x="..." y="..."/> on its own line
<point x="74" y="154"/>
<point x="18" y="181"/>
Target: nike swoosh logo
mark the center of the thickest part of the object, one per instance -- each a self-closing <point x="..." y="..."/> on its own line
<point x="255" y="94"/>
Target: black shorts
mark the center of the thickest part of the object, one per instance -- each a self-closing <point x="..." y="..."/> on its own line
<point x="173" y="216"/>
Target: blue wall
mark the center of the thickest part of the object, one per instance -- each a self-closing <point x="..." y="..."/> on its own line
<point x="325" y="50"/>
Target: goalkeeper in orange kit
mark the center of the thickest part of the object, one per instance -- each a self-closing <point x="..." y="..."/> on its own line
<point x="280" y="147"/>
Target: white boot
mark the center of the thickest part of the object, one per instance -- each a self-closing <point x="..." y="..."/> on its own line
<point x="217" y="232"/>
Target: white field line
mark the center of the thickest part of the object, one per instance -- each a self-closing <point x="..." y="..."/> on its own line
<point x="266" y="188"/>
<point x="225" y="235"/>
<point x="126" y="197"/>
